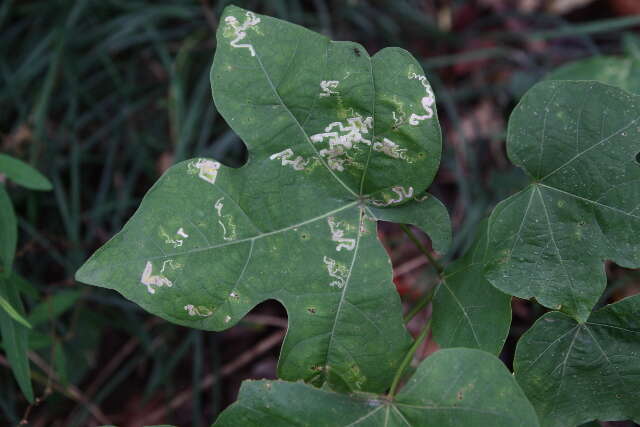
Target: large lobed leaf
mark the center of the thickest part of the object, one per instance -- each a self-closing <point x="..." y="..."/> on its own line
<point x="336" y="140"/>
<point x="451" y="388"/>
<point x="575" y="372"/>
<point x="578" y="142"/>
<point x="467" y="310"/>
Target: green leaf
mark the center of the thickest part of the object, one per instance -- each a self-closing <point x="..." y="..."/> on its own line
<point x="454" y="387"/>
<point x="8" y="233"/>
<point x="52" y="307"/>
<point x="578" y="142"/>
<point x="4" y="304"/>
<point x="576" y="372"/>
<point x="623" y="72"/>
<point x="427" y="213"/>
<point x="297" y="222"/>
<point x="15" y="339"/>
<point x="467" y="310"/>
<point x="23" y="174"/>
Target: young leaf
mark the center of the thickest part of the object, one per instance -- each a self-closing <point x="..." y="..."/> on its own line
<point x="454" y="387"/>
<point x="23" y="174"/>
<point x="8" y="233"/>
<point x="467" y="310"/>
<point x="615" y="71"/>
<point x="576" y="372"/>
<point x="578" y="141"/>
<point x="15" y="338"/>
<point x="332" y="134"/>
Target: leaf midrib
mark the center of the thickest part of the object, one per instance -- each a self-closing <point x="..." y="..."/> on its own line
<point x="588" y="149"/>
<point x="558" y="252"/>
<point x="280" y="100"/>
<point x="564" y="366"/>
<point x="539" y="187"/>
<point x="577" y="328"/>
<point x="259" y="236"/>
<point x="364" y="417"/>
<point x="584" y="199"/>
<point x="346" y="285"/>
<point x="373" y="128"/>
<point x="464" y="311"/>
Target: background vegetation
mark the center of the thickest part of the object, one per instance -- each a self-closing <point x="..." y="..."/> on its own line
<point x="103" y="96"/>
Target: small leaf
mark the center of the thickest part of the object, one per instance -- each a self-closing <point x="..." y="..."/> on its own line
<point x="622" y="72"/>
<point x="425" y="212"/>
<point x="4" y="304"/>
<point x="23" y="174"/>
<point x="54" y="306"/>
<point x="15" y="339"/>
<point x="454" y="387"/>
<point x="578" y="141"/>
<point x="8" y="233"/>
<point x="467" y="310"/>
<point x="335" y="137"/>
<point x="576" y="372"/>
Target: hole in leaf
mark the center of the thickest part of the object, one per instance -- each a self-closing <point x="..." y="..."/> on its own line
<point x="638" y="158"/>
<point x="311" y="310"/>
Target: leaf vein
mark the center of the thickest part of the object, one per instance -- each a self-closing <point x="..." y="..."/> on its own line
<point x="281" y="101"/>
<point x="586" y="150"/>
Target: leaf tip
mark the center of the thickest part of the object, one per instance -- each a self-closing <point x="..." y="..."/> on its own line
<point x="45" y="185"/>
<point x="86" y="272"/>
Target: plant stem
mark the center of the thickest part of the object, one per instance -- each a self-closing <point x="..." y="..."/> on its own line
<point x="438" y="267"/>
<point x="408" y="358"/>
<point x="426" y="299"/>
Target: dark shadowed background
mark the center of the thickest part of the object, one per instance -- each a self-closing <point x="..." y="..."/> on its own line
<point x="103" y="95"/>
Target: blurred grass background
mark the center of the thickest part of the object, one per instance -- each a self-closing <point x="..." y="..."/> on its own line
<point x="103" y="96"/>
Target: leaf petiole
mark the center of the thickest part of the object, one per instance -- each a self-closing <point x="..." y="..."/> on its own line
<point x="426" y="299"/>
<point x="436" y="265"/>
<point x="408" y="358"/>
